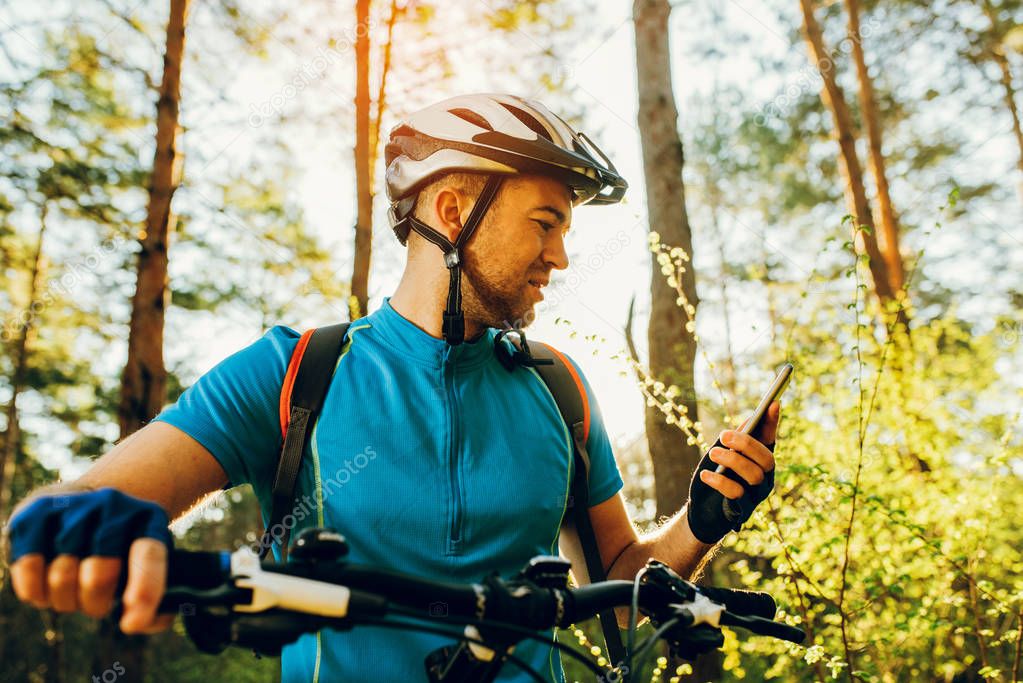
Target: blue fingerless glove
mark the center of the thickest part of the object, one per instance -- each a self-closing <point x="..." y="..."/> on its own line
<point x="101" y="523"/>
<point x="710" y="514"/>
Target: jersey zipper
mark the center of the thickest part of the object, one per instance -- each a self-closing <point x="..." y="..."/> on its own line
<point x="454" y="473"/>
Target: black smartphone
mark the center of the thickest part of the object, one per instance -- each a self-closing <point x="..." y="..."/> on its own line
<point x="772" y="394"/>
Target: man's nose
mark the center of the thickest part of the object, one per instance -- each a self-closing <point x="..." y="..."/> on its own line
<point x="554" y="253"/>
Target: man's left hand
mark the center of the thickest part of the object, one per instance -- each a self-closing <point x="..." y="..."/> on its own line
<point x="719" y="503"/>
<point x="745" y="455"/>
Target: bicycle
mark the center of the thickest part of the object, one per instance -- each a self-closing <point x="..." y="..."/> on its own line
<point x="234" y="599"/>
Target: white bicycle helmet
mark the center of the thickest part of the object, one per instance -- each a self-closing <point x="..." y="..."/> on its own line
<point x="494" y="134"/>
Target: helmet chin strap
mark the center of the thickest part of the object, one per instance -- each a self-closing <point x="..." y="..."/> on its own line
<point x="453" y="328"/>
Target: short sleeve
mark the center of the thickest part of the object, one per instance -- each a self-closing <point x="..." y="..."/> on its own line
<point x="605" y="478"/>
<point x="232" y="410"/>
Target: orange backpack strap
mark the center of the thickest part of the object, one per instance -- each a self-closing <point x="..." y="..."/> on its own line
<point x="567" y="386"/>
<point x="289" y="380"/>
<point x="305" y="385"/>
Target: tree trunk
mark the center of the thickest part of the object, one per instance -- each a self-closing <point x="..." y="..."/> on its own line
<point x="834" y="100"/>
<point x="888" y="232"/>
<point x="363" y="170"/>
<point x="12" y="435"/>
<point x="367" y="145"/>
<point x="1010" y="101"/>
<point x="998" y="55"/>
<point x="143" y="384"/>
<point x="672" y="349"/>
<point x="385" y="69"/>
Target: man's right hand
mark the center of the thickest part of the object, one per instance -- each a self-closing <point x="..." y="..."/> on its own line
<point x="68" y="551"/>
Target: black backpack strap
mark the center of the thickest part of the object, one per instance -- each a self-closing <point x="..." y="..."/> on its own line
<point x="305" y="386"/>
<point x="566" y="386"/>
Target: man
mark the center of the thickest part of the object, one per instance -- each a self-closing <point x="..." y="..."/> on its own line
<point x="464" y="464"/>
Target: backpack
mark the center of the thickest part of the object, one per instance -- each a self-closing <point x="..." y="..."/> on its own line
<point x="309" y="374"/>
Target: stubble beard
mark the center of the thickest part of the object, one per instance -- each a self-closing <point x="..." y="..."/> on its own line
<point x="484" y="299"/>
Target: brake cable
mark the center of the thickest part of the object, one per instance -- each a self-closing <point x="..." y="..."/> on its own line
<point x="457" y="635"/>
<point x="630" y="636"/>
<point x="514" y="628"/>
<point x="637" y="657"/>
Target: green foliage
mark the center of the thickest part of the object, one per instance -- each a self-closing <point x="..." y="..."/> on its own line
<point x="924" y="578"/>
<point x="255" y="253"/>
<point x="889" y="537"/>
<point x="513" y="15"/>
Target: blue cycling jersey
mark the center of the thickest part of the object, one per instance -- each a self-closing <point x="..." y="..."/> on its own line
<point x="430" y="459"/>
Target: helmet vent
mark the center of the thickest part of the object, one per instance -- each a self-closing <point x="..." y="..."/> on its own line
<point x="528" y="121"/>
<point x="472" y="117"/>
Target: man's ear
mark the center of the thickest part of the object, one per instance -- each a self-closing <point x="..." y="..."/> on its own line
<point x="450" y="207"/>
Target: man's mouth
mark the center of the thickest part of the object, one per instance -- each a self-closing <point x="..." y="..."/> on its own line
<point x="539" y="284"/>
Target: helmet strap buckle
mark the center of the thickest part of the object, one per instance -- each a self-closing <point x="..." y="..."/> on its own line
<point x="520" y="355"/>
<point x="453" y="327"/>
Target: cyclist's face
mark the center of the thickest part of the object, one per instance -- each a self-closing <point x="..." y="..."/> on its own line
<point x="513" y="252"/>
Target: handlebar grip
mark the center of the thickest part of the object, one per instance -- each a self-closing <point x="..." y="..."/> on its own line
<point x="198" y="569"/>
<point x="765" y="627"/>
<point x="746" y="603"/>
<point x="785" y="632"/>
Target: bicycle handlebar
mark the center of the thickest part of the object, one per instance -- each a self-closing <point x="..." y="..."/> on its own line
<point x="193" y="576"/>
<point x="268" y="604"/>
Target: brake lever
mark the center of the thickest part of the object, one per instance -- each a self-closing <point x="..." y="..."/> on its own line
<point x="690" y="642"/>
<point x="700" y="617"/>
<point x="293" y="593"/>
<point x="261" y="609"/>
<point x="245" y="587"/>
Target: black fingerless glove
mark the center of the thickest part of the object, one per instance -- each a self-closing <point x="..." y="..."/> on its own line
<point x="710" y="514"/>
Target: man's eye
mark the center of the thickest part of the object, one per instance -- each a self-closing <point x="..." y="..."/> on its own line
<point x="545" y="225"/>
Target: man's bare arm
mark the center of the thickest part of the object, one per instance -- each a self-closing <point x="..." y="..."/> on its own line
<point x="672" y="543"/>
<point x="159" y="463"/>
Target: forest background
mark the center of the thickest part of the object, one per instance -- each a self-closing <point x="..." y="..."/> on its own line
<point x="838" y="184"/>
